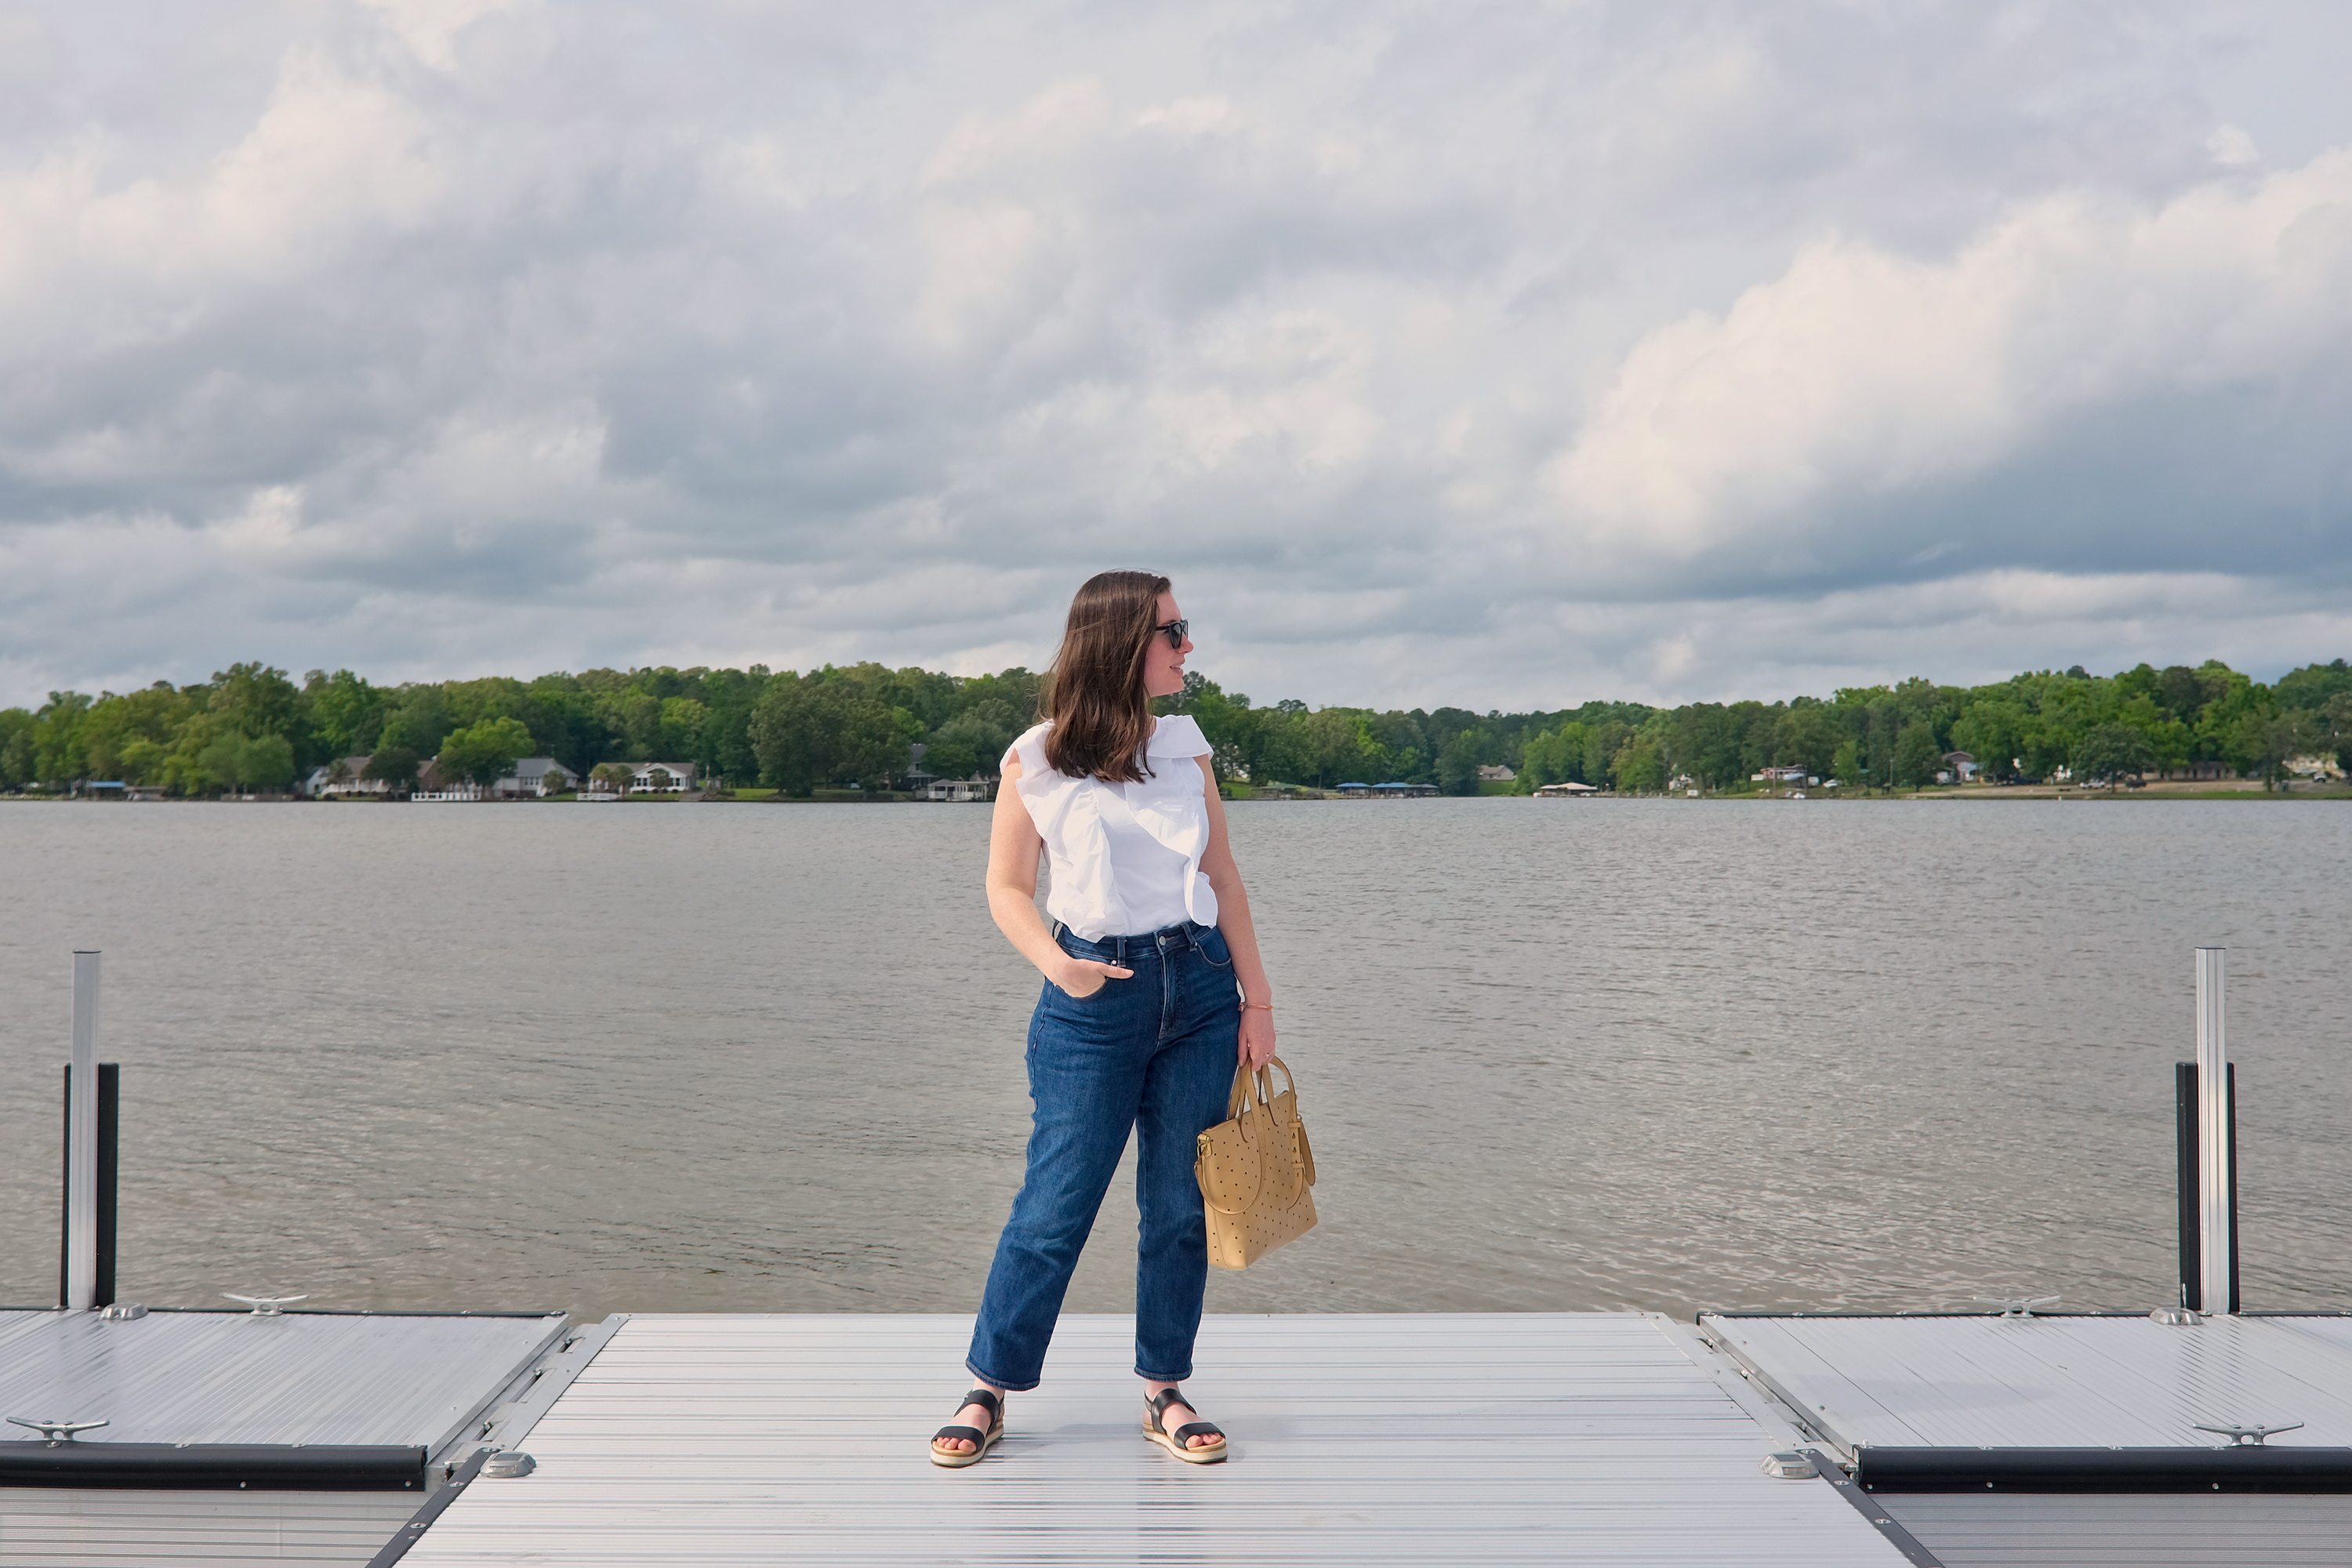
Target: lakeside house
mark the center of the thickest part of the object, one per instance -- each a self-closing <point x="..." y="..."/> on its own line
<point x="432" y="786"/>
<point x="1495" y="773"/>
<point x="343" y="777"/>
<point x="536" y="778"/>
<point x="973" y="788"/>
<point x="1959" y="767"/>
<point x="611" y="781"/>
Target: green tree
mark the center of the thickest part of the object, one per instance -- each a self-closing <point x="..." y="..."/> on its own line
<point x="1808" y="737"/>
<point x="128" y="737"/>
<point x="233" y="760"/>
<point x="16" y="765"/>
<point x="1846" y="765"/>
<point x="255" y="700"/>
<point x="2108" y="751"/>
<point x="1457" y="764"/>
<point x="1638" y="768"/>
<point x="394" y="766"/>
<point x="683" y="720"/>
<point x="949" y="759"/>
<point x="60" y="755"/>
<point x="1918" y="757"/>
<point x="346" y="712"/>
<point x="985" y="729"/>
<point x="485" y="752"/>
<point x="811" y="732"/>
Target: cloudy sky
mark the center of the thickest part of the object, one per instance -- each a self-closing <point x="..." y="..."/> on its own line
<point x="1498" y="355"/>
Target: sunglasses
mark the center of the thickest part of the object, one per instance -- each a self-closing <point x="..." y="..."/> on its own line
<point x="1175" y="632"/>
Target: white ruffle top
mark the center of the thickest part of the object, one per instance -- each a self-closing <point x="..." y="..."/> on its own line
<point x="1125" y="858"/>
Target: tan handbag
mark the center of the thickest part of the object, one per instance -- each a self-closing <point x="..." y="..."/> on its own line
<point x="1256" y="1171"/>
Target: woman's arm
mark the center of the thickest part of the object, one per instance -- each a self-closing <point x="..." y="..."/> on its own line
<point x="1013" y="847"/>
<point x="1240" y="934"/>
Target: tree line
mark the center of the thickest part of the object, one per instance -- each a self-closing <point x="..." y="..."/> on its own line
<point x="251" y="727"/>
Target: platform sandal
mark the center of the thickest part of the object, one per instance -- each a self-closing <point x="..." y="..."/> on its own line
<point x="982" y="1442"/>
<point x="1175" y="1441"/>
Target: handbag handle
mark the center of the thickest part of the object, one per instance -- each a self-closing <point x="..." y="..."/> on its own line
<point x="1236" y="1104"/>
<point x="1245" y="1081"/>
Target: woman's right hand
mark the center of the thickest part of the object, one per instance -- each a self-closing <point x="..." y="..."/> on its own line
<point x="1082" y="977"/>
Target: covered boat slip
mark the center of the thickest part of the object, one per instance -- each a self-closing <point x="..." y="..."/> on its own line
<point x="1614" y="1438"/>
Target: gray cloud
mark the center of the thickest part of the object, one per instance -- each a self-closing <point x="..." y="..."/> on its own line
<point x="1490" y="354"/>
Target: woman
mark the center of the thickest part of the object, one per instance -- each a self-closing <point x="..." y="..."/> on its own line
<point x="1154" y="990"/>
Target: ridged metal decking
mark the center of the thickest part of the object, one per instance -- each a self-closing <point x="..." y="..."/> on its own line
<point x="2053" y="1382"/>
<point x="236" y="1377"/>
<point x="1585" y="1438"/>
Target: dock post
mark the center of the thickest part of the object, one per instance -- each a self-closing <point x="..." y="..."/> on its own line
<point x="80" y="1280"/>
<point x="2217" y="1177"/>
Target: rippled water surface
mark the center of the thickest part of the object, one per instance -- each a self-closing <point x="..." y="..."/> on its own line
<point x="1553" y="1054"/>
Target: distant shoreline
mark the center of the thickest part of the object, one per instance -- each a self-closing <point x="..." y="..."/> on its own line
<point x="2248" y="792"/>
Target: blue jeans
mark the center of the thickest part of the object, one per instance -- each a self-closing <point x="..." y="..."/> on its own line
<point x="1156" y="1053"/>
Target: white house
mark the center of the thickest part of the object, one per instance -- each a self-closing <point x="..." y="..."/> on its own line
<point x="322" y="783"/>
<point x="661" y="778"/>
<point x="537" y="778"/>
<point x="957" y="789"/>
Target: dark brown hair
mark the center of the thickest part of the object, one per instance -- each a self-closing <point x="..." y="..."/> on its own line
<point x="1093" y="694"/>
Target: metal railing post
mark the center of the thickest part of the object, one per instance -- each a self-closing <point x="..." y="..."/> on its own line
<point x="81" y="1142"/>
<point x="2216" y="1142"/>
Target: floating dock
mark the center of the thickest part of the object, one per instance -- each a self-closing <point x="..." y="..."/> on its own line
<point x="237" y="1437"/>
<point x="697" y="1441"/>
<point x="1616" y="1439"/>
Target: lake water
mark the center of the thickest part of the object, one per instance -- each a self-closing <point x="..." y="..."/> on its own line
<point x="1554" y="1055"/>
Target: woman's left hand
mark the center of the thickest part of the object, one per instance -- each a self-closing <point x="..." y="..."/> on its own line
<point x="1257" y="1037"/>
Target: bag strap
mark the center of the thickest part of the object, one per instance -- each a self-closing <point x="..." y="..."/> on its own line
<point x="1266" y="1078"/>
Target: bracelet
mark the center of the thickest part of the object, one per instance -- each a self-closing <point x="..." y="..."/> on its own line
<point x="1247" y="1005"/>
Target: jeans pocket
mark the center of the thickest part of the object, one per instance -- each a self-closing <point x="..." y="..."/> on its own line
<point x="1214" y="949"/>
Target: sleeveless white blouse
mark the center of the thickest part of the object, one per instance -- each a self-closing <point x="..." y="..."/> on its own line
<point x="1124" y="858"/>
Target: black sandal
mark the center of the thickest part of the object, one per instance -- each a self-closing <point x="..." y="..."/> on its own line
<point x="1175" y="1441"/>
<point x="982" y="1442"/>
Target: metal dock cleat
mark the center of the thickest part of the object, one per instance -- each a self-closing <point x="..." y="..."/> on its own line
<point x="2018" y="1306"/>
<point x="266" y="1306"/>
<point x="58" y="1433"/>
<point x="2247" y="1436"/>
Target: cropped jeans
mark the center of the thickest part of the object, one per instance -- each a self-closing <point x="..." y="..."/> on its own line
<point x="1155" y="1052"/>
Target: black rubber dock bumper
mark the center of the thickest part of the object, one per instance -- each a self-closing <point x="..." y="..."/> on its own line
<point x="2245" y="1468"/>
<point x="196" y="1466"/>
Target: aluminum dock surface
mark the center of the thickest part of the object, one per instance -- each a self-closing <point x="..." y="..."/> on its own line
<point x="2079" y="1441"/>
<point x="1599" y="1438"/>
<point x="232" y="1438"/>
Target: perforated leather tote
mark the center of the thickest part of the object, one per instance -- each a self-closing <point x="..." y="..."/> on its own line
<point x="1256" y="1171"/>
